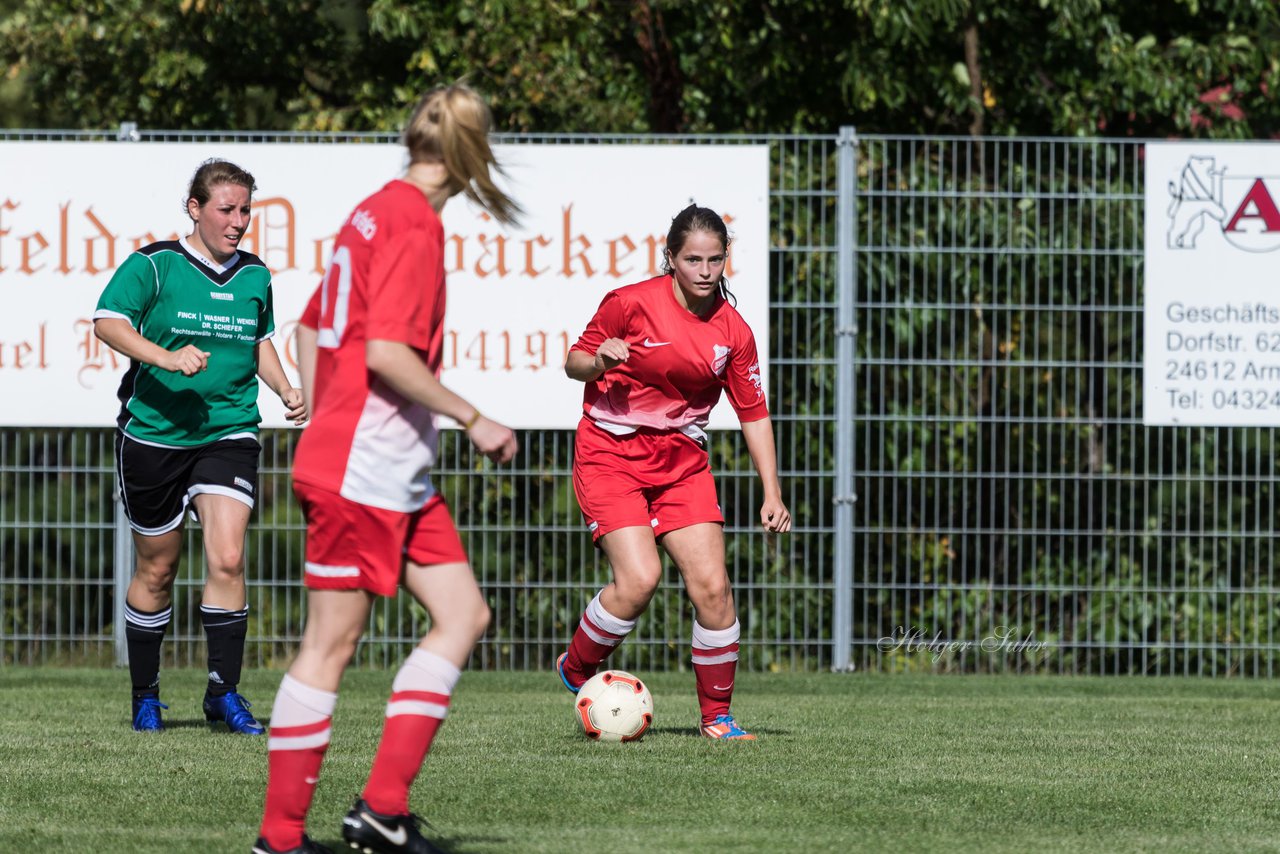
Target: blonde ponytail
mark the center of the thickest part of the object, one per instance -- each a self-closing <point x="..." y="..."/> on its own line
<point x="451" y="125"/>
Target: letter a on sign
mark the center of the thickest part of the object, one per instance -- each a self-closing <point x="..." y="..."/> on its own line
<point x="1256" y="223"/>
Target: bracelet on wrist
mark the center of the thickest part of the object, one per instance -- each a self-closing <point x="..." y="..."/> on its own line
<point x="472" y="421"/>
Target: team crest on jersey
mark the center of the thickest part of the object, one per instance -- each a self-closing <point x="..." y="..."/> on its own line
<point x="753" y="374"/>
<point x="721" y="356"/>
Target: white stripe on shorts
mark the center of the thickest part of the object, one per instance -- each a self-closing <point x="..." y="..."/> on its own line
<point x="322" y="571"/>
<point x="215" y="489"/>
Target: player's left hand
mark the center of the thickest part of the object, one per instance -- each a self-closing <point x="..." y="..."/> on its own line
<point x="296" y="405"/>
<point x="775" y="516"/>
<point x="494" y="440"/>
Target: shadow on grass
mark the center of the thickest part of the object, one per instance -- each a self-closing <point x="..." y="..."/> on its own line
<point x="446" y="844"/>
<point x="693" y="733"/>
<point x="193" y="723"/>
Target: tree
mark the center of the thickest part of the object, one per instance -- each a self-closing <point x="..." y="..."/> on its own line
<point x="1053" y="67"/>
<point x="197" y="64"/>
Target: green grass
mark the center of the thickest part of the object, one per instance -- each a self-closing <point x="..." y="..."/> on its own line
<point x="844" y="763"/>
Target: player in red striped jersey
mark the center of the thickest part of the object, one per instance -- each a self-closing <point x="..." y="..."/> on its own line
<point x="655" y="358"/>
<point x="370" y="345"/>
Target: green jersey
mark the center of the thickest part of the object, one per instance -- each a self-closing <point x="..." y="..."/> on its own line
<point x="174" y="297"/>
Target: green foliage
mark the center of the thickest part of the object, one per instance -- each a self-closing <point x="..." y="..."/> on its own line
<point x="1063" y="67"/>
<point x="56" y="535"/>
<point x="194" y="64"/>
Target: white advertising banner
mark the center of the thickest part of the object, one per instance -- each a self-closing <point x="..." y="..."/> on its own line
<point x="1212" y="304"/>
<point x="596" y="218"/>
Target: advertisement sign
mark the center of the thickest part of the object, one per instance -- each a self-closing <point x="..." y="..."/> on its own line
<point x="596" y="218"/>
<point x="1212" y="272"/>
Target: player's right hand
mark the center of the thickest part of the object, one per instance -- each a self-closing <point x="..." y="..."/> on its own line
<point x="611" y="353"/>
<point x="492" y="439"/>
<point x="188" y="361"/>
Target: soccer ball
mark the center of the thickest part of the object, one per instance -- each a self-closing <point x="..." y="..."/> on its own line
<point x="614" y="706"/>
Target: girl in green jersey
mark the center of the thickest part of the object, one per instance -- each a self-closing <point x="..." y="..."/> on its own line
<point x="194" y="316"/>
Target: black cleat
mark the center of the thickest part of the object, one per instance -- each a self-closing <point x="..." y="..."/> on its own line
<point x="373" y="833"/>
<point x="307" y="847"/>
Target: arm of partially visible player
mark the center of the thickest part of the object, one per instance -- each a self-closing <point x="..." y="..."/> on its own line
<point x="585" y="367"/>
<point x="398" y="365"/>
<point x="773" y="513"/>
<point x="601" y="346"/>
<point x="304" y="338"/>
<point x="118" y="334"/>
<point x="272" y="373"/>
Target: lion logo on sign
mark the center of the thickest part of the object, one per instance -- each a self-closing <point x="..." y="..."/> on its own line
<point x="1198" y="194"/>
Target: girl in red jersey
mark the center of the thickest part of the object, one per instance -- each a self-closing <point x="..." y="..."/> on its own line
<point x="370" y="346"/>
<point x="654" y="359"/>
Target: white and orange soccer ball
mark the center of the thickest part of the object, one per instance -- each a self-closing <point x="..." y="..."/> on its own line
<point x="613" y="705"/>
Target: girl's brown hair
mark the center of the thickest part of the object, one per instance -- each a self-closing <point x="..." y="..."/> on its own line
<point x="210" y="174"/>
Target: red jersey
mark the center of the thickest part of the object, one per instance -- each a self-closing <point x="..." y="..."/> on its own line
<point x="677" y="366"/>
<point x="385" y="281"/>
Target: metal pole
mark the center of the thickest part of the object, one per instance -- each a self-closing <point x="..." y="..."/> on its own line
<point x="846" y="339"/>
<point x="123" y="556"/>
<point x="123" y="551"/>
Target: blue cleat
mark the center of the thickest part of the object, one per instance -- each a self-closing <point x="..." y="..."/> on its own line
<point x="233" y="710"/>
<point x="146" y="714"/>
<point x="724" y="728"/>
<point x="563" y="678"/>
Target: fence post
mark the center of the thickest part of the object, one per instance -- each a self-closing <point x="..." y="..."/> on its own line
<point x="122" y="546"/>
<point x="846" y="338"/>
<point x="122" y="563"/>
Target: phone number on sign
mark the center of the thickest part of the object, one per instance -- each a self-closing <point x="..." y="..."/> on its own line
<point x="1249" y="399"/>
<point x="505" y="350"/>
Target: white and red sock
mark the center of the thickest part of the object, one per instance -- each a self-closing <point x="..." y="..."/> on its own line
<point x="419" y="702"/>
<point x="296" y="743"/>
<point x="598" y="634"/>
<point x="715" y="661"/>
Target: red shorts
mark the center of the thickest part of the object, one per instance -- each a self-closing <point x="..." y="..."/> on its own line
<point x="662" y="480"/>
<point x="354" y="546"/>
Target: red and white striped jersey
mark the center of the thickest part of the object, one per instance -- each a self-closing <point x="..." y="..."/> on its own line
<point x="385" y="282"/>
<point x="677" y="366"/>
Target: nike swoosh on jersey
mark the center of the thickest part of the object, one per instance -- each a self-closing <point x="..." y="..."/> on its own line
<point x="400" y="837"/>
<point x="649" y="343"/>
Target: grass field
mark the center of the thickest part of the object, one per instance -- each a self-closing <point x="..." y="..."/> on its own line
<point x="844" y="763"/>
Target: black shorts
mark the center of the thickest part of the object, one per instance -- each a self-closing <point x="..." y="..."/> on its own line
<point x="157" y="484"/>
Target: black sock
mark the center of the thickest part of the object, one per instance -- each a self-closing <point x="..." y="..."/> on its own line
<point x="225" y="631"/>
<point x="144" y="632"/>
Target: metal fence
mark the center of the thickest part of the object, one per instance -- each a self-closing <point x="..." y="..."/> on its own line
<point x="1014" y="513"/>
<point x="66" y="554"/>
<point x="955" y="333"/>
